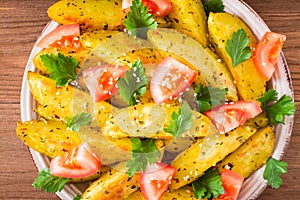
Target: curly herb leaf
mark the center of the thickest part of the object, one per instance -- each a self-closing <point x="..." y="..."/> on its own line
<point x="274" y="168"/>
<point x="79" y="120"/>
<point x="215" y="6"/>
<point x="237" y="47"/>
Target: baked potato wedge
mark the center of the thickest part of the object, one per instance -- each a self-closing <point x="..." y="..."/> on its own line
<point x="189" y="18"/>
<point x="191" y="165"/>
<point x="91" y="14"/>
<point x="51" y="138"/>
<point x="251" y="155"/>
<point x="184" y="193"/>
<point x="114" y="184"/>
<point x="249" y="83"/>
<point x="65" y="100"/>
<point x="203" y="60"/>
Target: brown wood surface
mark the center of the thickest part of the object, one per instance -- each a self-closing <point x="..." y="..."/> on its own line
<point x="21" y="22"/>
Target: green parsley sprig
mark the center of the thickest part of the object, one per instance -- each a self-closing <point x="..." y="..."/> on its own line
<point x="48" y="182"/>
<point x="208" y="185"/>
<point x="78" y="197"/>
<point x="61" y="68"/>
<point x="144" y="153"/>
<point x="133" y="85"/>
<point x="206" y="97"/>
<point x="274" y="168"/>
<point x="139" y="21"/>
<point x="215" y="6"/>
<point x="237" y="47"/>
<point x="276" y="111"/>
<point x="181" y="121"/>
<point x="79" y="120"/>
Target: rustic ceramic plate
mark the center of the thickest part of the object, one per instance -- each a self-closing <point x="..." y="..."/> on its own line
<point x="281" y="80"/>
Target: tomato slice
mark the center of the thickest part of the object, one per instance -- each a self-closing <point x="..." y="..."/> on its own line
<point x="170" y="79"/>
<point x="58" y="33"/>
<point x="232" y="183"/>
<point x="227" y="117"/>
<point x="267" y="52"/>
<point x="67" y="42"/>
<point x="79" y="163"/>
<point x="156" y="7"/>
<point x="101" y="80"/>
<point x="156" y="180"/>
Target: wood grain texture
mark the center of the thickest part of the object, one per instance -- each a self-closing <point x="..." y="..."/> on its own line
<point x="21" y="22"/>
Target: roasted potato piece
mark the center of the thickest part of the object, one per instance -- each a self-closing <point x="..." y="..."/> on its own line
<point x="65" y="100"/>
<point x="254" y="153"/>
<point x="258" y="122"/>
<point x="91" y="14"/>
<point x="103" y="170"/>
<point x="189" y="18"/>
<point x="184" y="193"/>
<point x="249" y="83"/>
<point x="190" y="166"/>
<point x="202" y="59"/>
<point x="79" y="55"/>
<point x="92" y="39"/>
<point x="113" y="184"/>
<point x="51" y="138"/>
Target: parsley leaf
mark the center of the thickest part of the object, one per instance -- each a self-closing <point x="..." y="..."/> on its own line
<point x="181" y="121"/>
<point x="78" y="197"/>
<point x="144" y="153"/>
<point x="133" y="85"/>
<point x="277" y="111"/>
<point x="78" y="120"/>
<point x="206" y="97"/>
<point x="273" y="170"/>
<point x="49" y="183"/>
<point x="208" y="185"/>
<point x="139" y="21"/>
<point x="215" y="6"/>
<point x="237" y="47"/>
<point x="61" y="68"/>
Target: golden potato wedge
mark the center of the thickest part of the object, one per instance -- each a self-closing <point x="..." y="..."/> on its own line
<point x="249" y="83"/>
<point x="113" y="184"/>
<point x="202" y="59"/>
<point x="191" y="165"/>
<point x="189" y="18"/>
<point x="103" y="170"/>
<point x="184" y="193"/>
<point x="92" y="39"/>
<point x="91" y="14"/>
<point x="65" y="100"/>
<point x="51" y="138"/>
<point x="79" y="55"/>
<point x="251" y="155"/>
<point x="258" y="122"/>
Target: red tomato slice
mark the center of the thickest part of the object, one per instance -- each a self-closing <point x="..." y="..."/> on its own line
<point x="101" y="80"/>
<point x="156" y="7"/>
<point x="156" y="180"/>
<point x="170" y="79"/>
<point x="232" y="183"/>
<point x="57" y="34"/>
<point x="67" y="42"/>
<point x="267" y="52"/>
<point x="228" y="116"/>
<point x="78" y="163"/>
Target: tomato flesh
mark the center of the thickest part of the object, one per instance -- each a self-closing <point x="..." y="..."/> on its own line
<point x="57" y="34"/>
<point x="232" y="183"/>
<point x="267" y="52"/>
<point x="229" y="116"/>
<point x="170" y="79"/>
<point x="78" y="163"/>
<point x="156" y="7"/>
<point x="156" y="180"/>
<point x="72" y="42"/>
<point x="101" y="80"/>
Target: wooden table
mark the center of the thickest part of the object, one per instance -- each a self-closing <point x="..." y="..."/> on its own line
<point x="21" y="22"/>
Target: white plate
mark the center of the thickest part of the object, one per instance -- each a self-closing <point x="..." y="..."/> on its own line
<point x="281" y="80"/>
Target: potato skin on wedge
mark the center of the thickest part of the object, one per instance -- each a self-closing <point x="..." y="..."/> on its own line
<point x="51" y="138"/>
<point x="189" y="18"/>
<point x="190" y="166"/>
<point x="249" y="83"/>
<point x="253" y="154"/>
